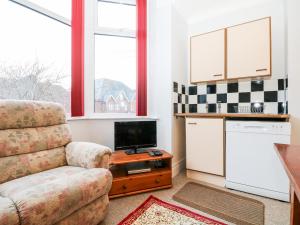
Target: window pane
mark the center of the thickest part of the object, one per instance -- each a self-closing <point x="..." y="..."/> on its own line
<point x="115" y="78"/>
<point x="35" y="56"/>
<point x="60" y="7"/>
<point x="116" y="15"/>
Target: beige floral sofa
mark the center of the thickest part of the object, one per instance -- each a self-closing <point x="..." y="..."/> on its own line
<point x="45" y="178"/>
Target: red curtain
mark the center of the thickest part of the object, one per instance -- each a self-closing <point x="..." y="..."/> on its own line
<point x="141" y="95"/>
<point x="77" y="90"/>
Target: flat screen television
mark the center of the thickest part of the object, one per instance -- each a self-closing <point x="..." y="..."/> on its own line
<point x="132" y="136"/>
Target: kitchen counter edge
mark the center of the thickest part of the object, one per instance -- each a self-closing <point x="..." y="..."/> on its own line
<point x="234" y="115"/>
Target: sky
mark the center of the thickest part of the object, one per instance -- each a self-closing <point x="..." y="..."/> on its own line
<point x="27" y="36"/>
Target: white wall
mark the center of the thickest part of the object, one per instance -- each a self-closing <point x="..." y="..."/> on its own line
<point x="179" y="47"/>
<point x="179" y="74"/>
<point x="293" y="15"/>
<point x="273" y="8"/>
<point x="159" y="69"/>
<point x="167" y="63"/>
<point x="100" y="131"/>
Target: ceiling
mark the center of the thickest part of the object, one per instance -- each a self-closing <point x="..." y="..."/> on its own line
<point x="193" y="10"/>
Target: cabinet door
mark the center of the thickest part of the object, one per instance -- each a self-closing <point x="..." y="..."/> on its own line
<point x="204" y="150"/>
<point x="249" y="49"/>
<point x="207" y="57"/>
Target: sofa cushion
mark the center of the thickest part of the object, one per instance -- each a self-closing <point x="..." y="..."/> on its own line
<point x="28" y="140"/>
<point x="58" y="196"/>
<point x="13" y="167"/>
<point x="8" y="212"/>
<point x="23" y="114"/>
<point x="23" y="183"/>
<point x="92" y="214"/>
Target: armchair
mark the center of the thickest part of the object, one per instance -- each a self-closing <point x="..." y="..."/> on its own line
<point x="46" y="178"/>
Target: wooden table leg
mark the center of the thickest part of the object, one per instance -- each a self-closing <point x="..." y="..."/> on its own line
<point x="295" y="209"/>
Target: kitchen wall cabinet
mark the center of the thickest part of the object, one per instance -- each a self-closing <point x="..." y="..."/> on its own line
<point x="236" y="52"/>
<point x="205" y="145"/>
<point x="249" y="49"/>
<point x="207" y="56"/>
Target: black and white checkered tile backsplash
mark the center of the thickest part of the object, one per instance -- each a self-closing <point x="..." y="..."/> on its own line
<point x="267" y="96"/>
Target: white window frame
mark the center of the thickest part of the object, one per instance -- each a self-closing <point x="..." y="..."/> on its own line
<point x="42" y="10"/>
<point x="125" y="2"/>
<point x="91" y="30"/>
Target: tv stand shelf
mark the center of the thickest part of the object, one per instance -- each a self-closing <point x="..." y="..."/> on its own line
<point x="128" y="184"/>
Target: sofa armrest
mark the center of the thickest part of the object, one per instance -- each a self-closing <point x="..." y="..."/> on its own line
<point x="87" y="155"/>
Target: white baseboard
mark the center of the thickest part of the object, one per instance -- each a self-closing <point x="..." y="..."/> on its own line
<point x="177" y="167"/>
<point x="205" y="177"/>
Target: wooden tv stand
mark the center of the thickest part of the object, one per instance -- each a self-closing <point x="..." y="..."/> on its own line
<point x="124" y="184"/>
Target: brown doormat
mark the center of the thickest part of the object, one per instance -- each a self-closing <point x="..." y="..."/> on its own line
<point x="222" y="204"/>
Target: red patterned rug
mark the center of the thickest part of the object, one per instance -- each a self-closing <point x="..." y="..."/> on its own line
<point x="157" y="212"/>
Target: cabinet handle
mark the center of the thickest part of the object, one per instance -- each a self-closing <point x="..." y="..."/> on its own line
<point x="192" y="123"/>
<point x="124" y="187"/>
<point x="260" y="70"/>
<point x="157" y="181"/>
<point x="218" y="75"/>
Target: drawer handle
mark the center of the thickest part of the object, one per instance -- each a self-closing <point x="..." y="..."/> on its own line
<point x="260" y="70"/>
<point x="124" y="187"/>
<point x="218" y="75"/>
<point x="192" y="123"/>
<point x="157" y="181"/>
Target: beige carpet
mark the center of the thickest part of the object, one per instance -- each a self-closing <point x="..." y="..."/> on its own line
<point x="231" y="207"/>
<point x="276" y="212"/>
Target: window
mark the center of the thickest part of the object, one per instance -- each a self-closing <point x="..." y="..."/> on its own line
<point x="115" y="57"/>
<point x="35" y="56"/>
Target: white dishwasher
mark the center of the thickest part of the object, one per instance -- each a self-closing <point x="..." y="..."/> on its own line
<point x="252" y="164"/>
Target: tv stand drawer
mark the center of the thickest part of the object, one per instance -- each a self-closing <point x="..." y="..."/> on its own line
<point x="140" y="183"/>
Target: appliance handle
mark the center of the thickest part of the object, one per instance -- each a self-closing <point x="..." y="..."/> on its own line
<point x="254" y="126"/>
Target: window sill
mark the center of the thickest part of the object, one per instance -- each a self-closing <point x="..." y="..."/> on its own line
<point x="112" y="117"/>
